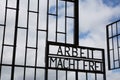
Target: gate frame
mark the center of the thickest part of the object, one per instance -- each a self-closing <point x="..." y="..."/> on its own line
<point x="75" y="70"/>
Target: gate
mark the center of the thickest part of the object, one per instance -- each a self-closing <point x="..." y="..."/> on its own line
<point x="74" y="62"/>
<point x="41" y="42"/>
<point x="113" y="45"/>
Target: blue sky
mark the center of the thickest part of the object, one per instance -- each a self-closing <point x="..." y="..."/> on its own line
<point x="83" y="35"/>
<point x="94" y="16"/>
<point x="111" y="3"/>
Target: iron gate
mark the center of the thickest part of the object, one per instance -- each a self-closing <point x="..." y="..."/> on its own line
<point x="69" y="58"/>
<point x="29" y="27"/>
<point x="113" y="45"/>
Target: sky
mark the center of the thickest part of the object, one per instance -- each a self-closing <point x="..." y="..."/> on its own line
<point x="94" y="15"/>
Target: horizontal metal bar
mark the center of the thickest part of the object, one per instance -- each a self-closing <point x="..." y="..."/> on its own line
<point x="23" y="66"/>
<point x="2" y="25"/>
<point x="8" y="45"/>
<point x="22" y="27"/>
<point x="115" y="68"/>
<point x="113" y="23"/>
<point x="32" y="47"/>
<point x="68" y="0"/>
<point x="75" y="58"/>
<point x="33" y="11"/>
<point x="41" y="30"/>
<point x="52" y="14"/>
<point x="11" y="8"/>
<point x="69" y="17"/>
<point x="61" y="32"/>
<point x="116" y="60"/>
<point x="100" y="72"/>
<point x="71" y="45"/>
<point x="53" y="68"/>
<point x="114" y="36"/>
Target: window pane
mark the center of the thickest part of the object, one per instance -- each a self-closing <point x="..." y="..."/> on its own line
<point x="7" y="55"/>
<point x="6" y="73"/>
<point x="18" y="73"/>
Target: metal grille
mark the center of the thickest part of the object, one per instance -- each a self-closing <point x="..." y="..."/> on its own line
<point x="62" y="24"/>
<point x="113" y="45"/>
<point x="74" y="60"/>
<point x="26" y="28"/>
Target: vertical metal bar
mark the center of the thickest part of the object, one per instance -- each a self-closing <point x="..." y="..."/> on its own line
<point x="15" y="40"/>
<point x="47" y="20"/>
<point x="76" y="22"/>
<point x="92" y="54"/>
<point x="118" y="44"/>
<point x="36" y="39"/>
<point x="66" y="75"/>
<point x="26" y="40"/>
<point x="95" y="76"/>
<point x="101" y="66"/>
<point x="107" y="32"/>
<point x="3" y="36"/>
<point x="88" y="53"/>
<point x="76" y="75"/>
<point x="65" y="29"/>
<point x="104" y="68"/>
<point x="86" y="76"/>
<point x="113" y="47"/>
<point x="47" y="46"/>
<point x="46" y="64"/>
<point x="65" y="22"/>
<point x="56" y="19"/>
<point x="56" y="74"/>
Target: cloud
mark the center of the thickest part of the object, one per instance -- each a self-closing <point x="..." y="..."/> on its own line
<point x="94" y="16"/>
